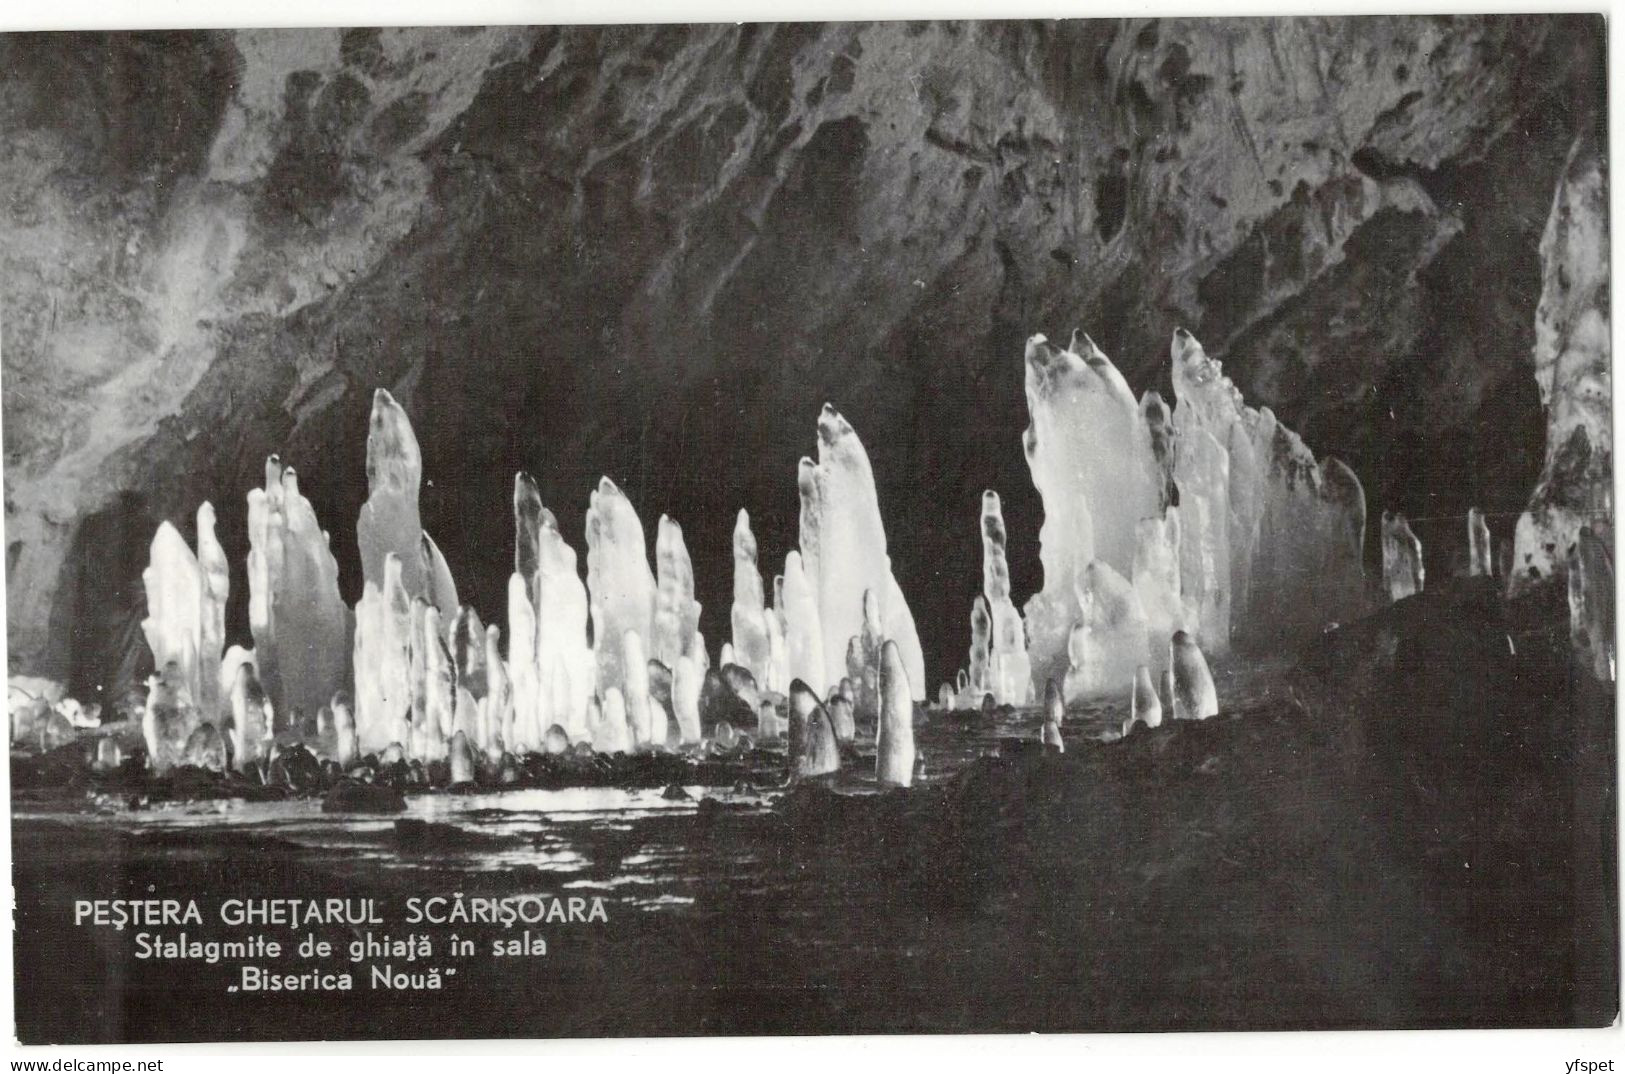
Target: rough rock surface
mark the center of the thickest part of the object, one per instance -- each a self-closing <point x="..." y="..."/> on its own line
<point x="642" y="251"/>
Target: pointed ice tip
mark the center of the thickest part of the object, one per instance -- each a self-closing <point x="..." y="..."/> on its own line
<point x="1182" y="638"/>
<point x="1182" y="336"/>
<point x="606" y="487"/>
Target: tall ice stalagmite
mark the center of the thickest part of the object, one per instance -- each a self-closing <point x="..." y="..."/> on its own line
<point x="1009" y="672"/>
<point x="1091" y="458"/>
<point x="389" y="520"/>
<point x="619" y="582"/>
<point x="844" y="551"/>
<point x="1402" y="571"/>
<point x="301" y="625"/>
<point x="752" y="648"/>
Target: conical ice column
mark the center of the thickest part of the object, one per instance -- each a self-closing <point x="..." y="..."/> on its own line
<point x="524" y="677"/>
<point x="301" y="626"/>
<point x="442" y="590"/>
<point x="1194" y="695"/>
<point x="1091" y="459"/>
<point x="252" y="716"/>
<point x="1009" y="674"/>
<point x="212" y="626"/>
<point x="677" y="613"/>
<point x="1402" y="571"/>
<point x="179" y="602"/>
<point x="894" y="736"/>
<point x="1144" y="705"/>
<point x="844" y="548"/>
<point x="981" y="638"/>
<point x="566" y="664"/>
<point x="389" y="522"/>
<point x="621" y="586"/>
<point x="1054" y="713"/>
<point x="751" y="646"/>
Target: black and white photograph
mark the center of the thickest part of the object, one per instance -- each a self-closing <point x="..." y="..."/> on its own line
<point x="752" y="529"/>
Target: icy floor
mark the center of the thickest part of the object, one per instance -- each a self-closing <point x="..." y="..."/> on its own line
<point x="632" y="843"/>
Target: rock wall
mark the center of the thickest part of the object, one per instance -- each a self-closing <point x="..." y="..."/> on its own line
<point x="655" y="252"/>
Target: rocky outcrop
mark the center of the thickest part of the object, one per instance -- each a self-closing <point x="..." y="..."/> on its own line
<point x="641" y="251"/>
<point x="1573" y="368"/>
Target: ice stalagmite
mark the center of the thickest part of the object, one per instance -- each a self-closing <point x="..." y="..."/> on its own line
<point x="778" y="656"/>
<point x="1296" y="525"/>
<point x="301" y="626"/>
<point x="1193" y="694"/>
<point x="621" y="586"/>
<point x="677" y="613"/>
<point x="566" y="664"/>
<point x="894" y="736"/>
<point x="1402" y="572"/>
<point x="1202" y="476"/>
<point x="1009" y="672"/>
<point x="1054" y="714"/>
<point x="468" y="651"/>
<point x="1109" y="640"/>
<point x="751" y="645"/>
<point x="383" y="661"/>
<point x="804" y="634"/>
<point x="176" y="592"/>
<point x="1091" y="459"/>
<point x="389" y="522"/>
<point x="496" y="707"/>
<point x="1159" y="422"/>
<point x="844" y="549"/>
<point x="235" y="657"/>
<point x="216" y="570"/>
<point x="1144" y="705"/>
<point x="1480" y="554"/>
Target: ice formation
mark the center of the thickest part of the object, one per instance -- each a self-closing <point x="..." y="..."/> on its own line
<point x="1402" y="571"/>
<point x="813" y="747"/>
<point x="552" y="668"/>
<point x="389" y="523"/>
<point x="686" y="680"/>
<point x="301" y="626"/>
<point x="752" y="645"/>
<point x="1144" y="704"/>
<point x="843" y="550"/>
<point x="169" y="719"/>
<point x="441" y="590"/>
<point x="1480" y="554"/>
<point x="1091" y="459"/>
<point x="804" y="634"/>
<point x="180" y="600"/>
<point x="1295" y="525"/>
<point x="1193" y="694"/>
<point x="1054" y="714"/>
<point x="894" y="736"/>
<point x="1009" y="672"/>
<point x="252" y="716"/>
<point x="621" y="586"/>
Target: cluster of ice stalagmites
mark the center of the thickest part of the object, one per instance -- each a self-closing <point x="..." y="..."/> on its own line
<point x="1210" y="522"/>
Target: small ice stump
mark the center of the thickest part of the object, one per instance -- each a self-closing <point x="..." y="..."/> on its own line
<point x="1091" y="457"/>
<point x="206" y="749"/>
<point x="460" y="757"/>
<point x="1194" y="695"/>
<point x="1480" y="549"/>
<point x="1110" y="638"/>
<point x="607" y="719"/>
<point x="840" y="711"/>
<point x="1054" y="714"/>
<point x="1402" y="571"/>
<point x="619" y="582"/>
<point x="1144" y="704"/>
<point x="843" y="549"/>
<point x="814" y="750"/>
<point x="345" y="748"/>
<point x="169" y="719"/>
<point x="894" y="735"/>
<point x="1009" y="672"/>
<point x="302" y="628"/>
